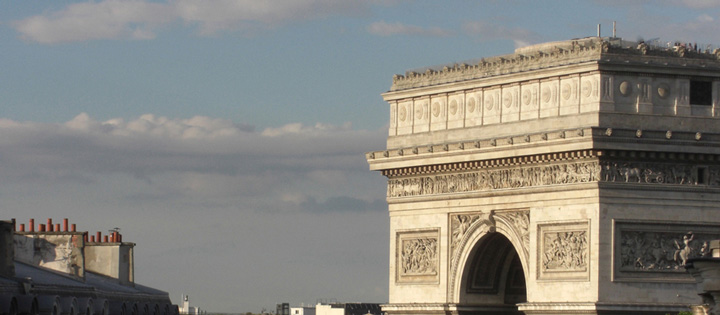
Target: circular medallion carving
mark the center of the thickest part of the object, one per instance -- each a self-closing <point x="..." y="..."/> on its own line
<point x="625" y="88"/>
<point x="419" y="112"/>
<point x="436" y="109"/>
<point x="586" y="89"/>
<point x="526" y="97"/>
<point x="490" y="101"/>
<point x="663" y="90"/>
<point x="471" y="105"/>
<point x="566" y="91"/>
<point x="453" y="107"/>
<point x="546" y="94"/>
<point x="507" y="99"/>
<point x="403" y="113"/>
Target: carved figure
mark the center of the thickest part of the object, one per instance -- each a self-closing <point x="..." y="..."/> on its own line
<point x="520" y="177"/>
<point x="565" y="251"/>
<point x="630" y="172"/>
<point x="419" y="256"/>
<point x="683" y="251"/>
<point x="653" y="176"/>
<point x="705" y="250"/>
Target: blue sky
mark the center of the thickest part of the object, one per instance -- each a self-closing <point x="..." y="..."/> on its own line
<point x="226" y="138"/>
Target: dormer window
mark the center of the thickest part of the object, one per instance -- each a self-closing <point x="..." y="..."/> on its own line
<point x="700" y="93"/>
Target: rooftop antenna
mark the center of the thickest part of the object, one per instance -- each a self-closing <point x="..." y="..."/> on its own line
<point x="614" y="29"/>
<point x="598" y="30"/>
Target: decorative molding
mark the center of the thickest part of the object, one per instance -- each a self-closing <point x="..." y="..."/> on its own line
<point x="656" y="251"/>
<point x="525" y="172"/>
<point x="418" y="256"/>
<point x="563" y="251"/>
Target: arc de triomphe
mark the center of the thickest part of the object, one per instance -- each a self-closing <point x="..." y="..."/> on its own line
<point x="569" y="177"/>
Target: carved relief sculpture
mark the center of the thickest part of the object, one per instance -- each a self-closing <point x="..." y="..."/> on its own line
<point x="563" y="251"/>
<point x="419" y="256"/>
<point x="658" y="251"/>
<point x="646" y="252"/>
<point x="417" y="259"/>
<point x="569" y="173"/>
<point x="484" y="180"/>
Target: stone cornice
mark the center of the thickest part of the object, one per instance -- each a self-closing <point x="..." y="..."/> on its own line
<point x="551" y="55"/>
<point x="492" y="163"/>
<point x="652" y="141"/>
<point x="500" y="65"/>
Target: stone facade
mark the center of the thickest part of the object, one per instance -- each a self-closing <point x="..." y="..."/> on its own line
<point x="572" y="177"/>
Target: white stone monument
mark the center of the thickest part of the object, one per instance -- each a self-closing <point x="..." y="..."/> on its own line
<point x="572" y="177"/>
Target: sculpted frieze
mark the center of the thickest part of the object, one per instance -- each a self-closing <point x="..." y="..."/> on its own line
<point x="491" y="179"/>
<point x="658" y="251"/>
<point x="653" y="173"/>
<point x="568" y="173"/>
<point x="661" y="251"/>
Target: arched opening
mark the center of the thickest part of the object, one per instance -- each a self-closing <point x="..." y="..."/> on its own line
<point x="493" y="281"/>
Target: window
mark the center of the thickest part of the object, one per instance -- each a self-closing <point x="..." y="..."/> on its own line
<point x="700" y="93"/>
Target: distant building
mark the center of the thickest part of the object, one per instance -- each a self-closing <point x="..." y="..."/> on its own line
<point x="348" y="309"/>
<point x="302" y="310"/>
<point x="54" y="270"/>
<point x="283" y="309"/>
<point x="185" y="308"/>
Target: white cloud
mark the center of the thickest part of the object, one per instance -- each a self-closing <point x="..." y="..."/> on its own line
<point x="220" y="15"/>
<point x="140" y="19"/>
<point x="111" y="19"/>
<point x="207" y="191"/>
<point x="154" y="145"/>
<point x="487" y="31"/>
<point x="383" y="28"/>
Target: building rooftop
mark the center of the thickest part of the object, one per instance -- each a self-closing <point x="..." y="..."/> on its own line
<point x="560" y="53"/>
